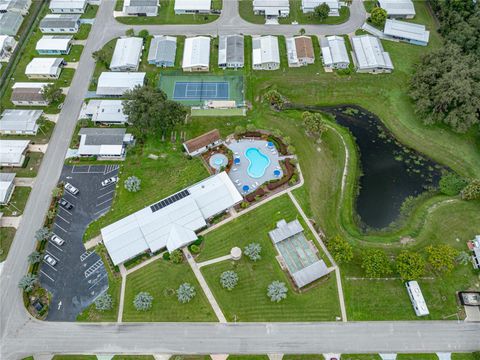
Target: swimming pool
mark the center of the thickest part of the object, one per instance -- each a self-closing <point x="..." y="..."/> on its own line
<point x="258" y="162"/>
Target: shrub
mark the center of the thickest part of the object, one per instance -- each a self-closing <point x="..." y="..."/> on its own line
<point x="132" y="184"/>
<point x="451" y="184"/>
<point x="185" y="293"/>
<point x="34" y="258"/>
<point x="442" y="257"/>
<point x="410" y="265"/>
<point x="229" y="279"/>
<point x="176" y="256"/>
<point x="277" y="291"/>
<point x="166" y="255"/>
<point x="472" y="190"/>
<point x="195" y="249"/>
<point x="199" y="241"/>
<point x="340" y="249"/>
<point x="104" y="302"/>
<point x="378" y="16"/>
<point x="42" y="234"/>
<point x="143" y="301"/>
<point x="251" y="127"/>
<point x="239" y="130"/>
<point x="244" y="204"/>
<point x="376" y="263"/>
<point x="253" y="251"/>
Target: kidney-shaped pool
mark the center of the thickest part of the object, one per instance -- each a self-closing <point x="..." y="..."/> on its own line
<point x="258" y="162"/>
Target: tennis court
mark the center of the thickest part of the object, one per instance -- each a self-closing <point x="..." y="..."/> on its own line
<point x="201" y="91"/>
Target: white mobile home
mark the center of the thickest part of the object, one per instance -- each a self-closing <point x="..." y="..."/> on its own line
<point x="7" y="45"/>
<point x="300" y="51"/>
<point x="196" y="54"/>
<point x="412" y="33"/>
<point x="192" y="6"/>
<point x="231" y="51"/>
<point x="60" y="23"/>
<point x="13" y="152"/>
<point x="271" y="8"/>
<point x="68" y="6"/>
<point x="309" y="6"/>
<point x="106" y="112"/>
<point x="334" y="52"/>
<point x="44" y="68"/>
<point x="104" y="144"/>
<point x="7" y="186"/>
<point x="368" y="55"/>
<point x="116" y="83"/>
<point x="126" y="56"/>
<point x="54" y="45"/>
<point x="20" y="122"/>
<point x="140" y="7"/>
<point x="163" y="50"/>
<point x="265" y="53"/>
<point x="400" y="9"/>
<point x="17" y="6"/>
<point x="416" y="297"/>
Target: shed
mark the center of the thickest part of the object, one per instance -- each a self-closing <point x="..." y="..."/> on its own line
<point x="13" y="152"/>
<point x="29" y="94"/>
<point x="231" y="51"/>
<point x="405" y="31"/>
<point x="334" y="52"/>
<point x="116" y="83"/>
<point x="40" y="68"/>
<point x="196" y="54"/>
<point x="140" y="7"/>
<point x="20" y="122"/>
<point x="309" y="6"/>
<point x="6" y="187"/>
<point x="192" y="6"/>
<point x="126" y="55"/>
<point x="401" y="9"/>
<point x="54" y="45"/>
<point x="203" y="143"/>
<point x="60" y="23"/>
<point x="265" y="53"/>
<point x="68" y="6"/>
<point x="10" y="22"/>
<point x="300" y="51"/>
<point x="7" y="44"/>
<point x="163" y="50"/>
<point x="369" y="56"/>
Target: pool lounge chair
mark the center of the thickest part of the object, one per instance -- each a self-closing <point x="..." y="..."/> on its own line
<point x="234" y="169"/>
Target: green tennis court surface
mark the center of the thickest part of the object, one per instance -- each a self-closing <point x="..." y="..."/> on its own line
<point x="195" y="90"/>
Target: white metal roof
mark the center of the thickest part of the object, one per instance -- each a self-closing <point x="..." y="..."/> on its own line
<point x="312" y="4"/>
<point x="406" y="30"/>
<point x="19" y="120"/>
<point x="265" y="50"/>
<point x="67" y="4"/>
<point x="54" y="42"/>
<point x="43" y="66"/>
<point x="369" y="53"/>
<point x="29" y="85"/>
<point x="271" y="7"/>
<point x="163" y="48"/>
<point x="107" y="111"/>
<point x="196" y="52"/>
<point x="334" y="50"/>
<point x="310" y="273"/>
<point x="185" y="5"/>
<point x="11" y="150"/>
<point x="173" y="225"/>
<point x="6" y="180"/>
<point x="417" y="299"/>
<point x="116" y="83"/>
<point x="291" y="50"/>
<point x="6" y="40"/>
<point x="127" y="52"/>
<point x="398" y="7"/>
<point x="285" y="230"/>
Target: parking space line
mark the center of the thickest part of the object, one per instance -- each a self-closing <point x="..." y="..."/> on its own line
<point x="92" y="269"/>
<point x="68" y="212"/>
<point x="85" y="255"/>
<point x="49" y="253"/>
<point x="46" y="275"/>
<point x="55" y="246"/>
<point x="98" y="280"/>
<point x="103" y="202"/>
<point x="60" y="227"/>
<point x="61" y="217"/>
<point x="104" y="209"/>
<point x="49" y="265"/>
<point x="67" y="193"/>
<point x="103" y="188"/>
<point x="106" y="193"/>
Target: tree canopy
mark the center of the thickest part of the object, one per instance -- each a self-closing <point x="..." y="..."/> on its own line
<point x="378" y="16"/>
<point x="376" y="263"/>
<point x="451" y="183"/>
<point x="322" y="11"/>
<point x="277" y="291"/>
<point x="410" y="265"/>
<point x="253" y="251"/>
<point x="340" y="249"/>
<point x="149" y="110"/>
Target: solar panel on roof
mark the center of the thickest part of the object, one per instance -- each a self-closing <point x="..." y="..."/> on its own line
<point x="170" y="200"/>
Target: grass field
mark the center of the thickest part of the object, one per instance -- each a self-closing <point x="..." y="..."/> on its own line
<point x="303" y="357"/>
<point x="90" y="12"/>
<point x="133" y="357"/>
<point x="248" y="357"/>
<point x="166" y="15"/>
<point x="83" y="32"/>
<point x="248" y="301"/>
<point x="30" y="167"/>
<point x="6" y="237"/>
<point x="360" y="357"/>
<point x="74" y="357"/>
<point x="161" y="278"/>
<point x="17" y="202"/>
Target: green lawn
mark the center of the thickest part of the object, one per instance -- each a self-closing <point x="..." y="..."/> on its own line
<point x="161" y="278"/>
<point x="296" y="14"/>
<point x="6" y="237"/>
<point x="245" y="9"/>
<point x="90" y="12"/>
<point x="303" y="357"/>
<point x="133" y="357"/>
<point x="360" y="357"/>
<point x="17" y="202"/>
<point x="248" y="301"/>
<point x="91" y="314"/>
<point x="369" y="5"/>
<point x="166" y="15"/>
<point x="30" y="167"/>
<point x="190" y="357"/>
<point x="74" y="357"/>
<point x="83" y="32"/>
<point x="160" y="178"/>
<point x="466" y="356"/>
<point x="417" y="357"/>
<point x="100" y="67"/>
<point x="44" y="133"/>
<point x="249" y="357"/>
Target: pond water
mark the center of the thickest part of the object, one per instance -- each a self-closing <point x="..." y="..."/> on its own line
<point x="391" y="172"/>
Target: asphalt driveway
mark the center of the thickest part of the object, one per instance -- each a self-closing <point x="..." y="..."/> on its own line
<point x="79" y="275"/>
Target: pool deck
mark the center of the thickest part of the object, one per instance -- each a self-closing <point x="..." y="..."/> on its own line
<point x="239" y="174"/>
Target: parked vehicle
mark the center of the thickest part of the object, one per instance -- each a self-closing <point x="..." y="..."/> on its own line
<point x="109" y="181"/>
<point x="66" y="204"/>
<point x="71" y="189"/>
<point x="50" y="260"/>
<point x="57" y="240"/>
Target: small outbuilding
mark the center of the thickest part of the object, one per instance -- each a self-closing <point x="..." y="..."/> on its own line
<point x="68" y="6"/>
<point x="116" y="83"/>
<point x="13" y="152"/>
<point x="20" y="122"/>
<point x="196" y="54"/>
<point x="10" y="23"/>
<point x="203" y="143"/>
<point x="104" y="144"/>
<point x="192" y="6"/>
<point x="368" y="55"/>
<point x="406" y="31"/>
<point x="271" y="8"/>
<point x="399" y="9"/>
<point x="54" y="45"/>
<point x="300" y="51"/>
<point x="163" y="50"/>
<point x="29" y="94"/>
<point x="7" y="187"/>
<point x="334" y="52"/>
<point x="308" y="6"/>
<point x="44" y="68"/>
<point x="231" y="51"/>
<point x="126" y="56"/>
<point x="140" y="7"/>
<point x="265" y="53"/>
<point x="60" y="23"/>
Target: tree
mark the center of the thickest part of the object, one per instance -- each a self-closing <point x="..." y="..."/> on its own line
<point x="277" y="291"/>
<point x="149" y="110"/>
<point x="229" y="279"/>
<point x="52" y="92"/>
<point x="378" y="16"/>
<point x="253" y="251"/>
<point x="102" y="56"/>
<point x="376" y="263"/>
<point x="472" y="190"/>
<point x="176" y="256"/>
<point x="143" y="301"/>
<point x="239" y="130"/>
<point x="34" y="258"/>
<point x="27" y="283"/>
<point x="410" y="265"/>
<point x="442" y="257"/>
<point x="132" y="184"/>
<point x="446" y="88"/>
<point x="302" y="31"/>
<point x="42" y="234"/>
<point x="322" y="11"/>
<point x="185" y="293"/>
<point x="314" y="124"/>
<point x="451" y="183"/>
<point x="104" y="302"/>
<point x="340" y="249"/>
<point x="274" y="98"/>
<point x="130" y="32"/>
<point x="143" y="34"/>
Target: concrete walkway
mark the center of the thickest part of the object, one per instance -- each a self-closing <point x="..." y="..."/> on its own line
<point x="51" y="117"/>
<point x="208" y="293"/>
<point x="38" y="148"/>
<point x="90" y="244"/>
<point x="123" y="273"/>
<point x="19" y="181"/>
<point x="10" y="221"/>
<point x="214" y="261"/>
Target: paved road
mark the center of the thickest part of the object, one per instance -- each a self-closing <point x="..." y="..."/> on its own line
<point x="21" y="335"/>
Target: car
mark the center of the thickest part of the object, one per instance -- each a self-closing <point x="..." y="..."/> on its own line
<point x="109" y="181"/>
<point x="71" y="189"/>
<point x="57" y="240"/>
<point x="50" y="260"/>
<point x="66" y="204"/>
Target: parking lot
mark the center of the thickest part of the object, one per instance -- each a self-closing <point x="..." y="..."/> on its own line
<point x="79" y="276"/>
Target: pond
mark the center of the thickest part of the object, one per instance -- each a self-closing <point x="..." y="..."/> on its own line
<point x="391" y="172"/>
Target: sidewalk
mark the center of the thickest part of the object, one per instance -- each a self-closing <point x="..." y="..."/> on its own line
<point x="10" y="221"/>
<point x="214" y="261"/>
<point x="19" y="181"/>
